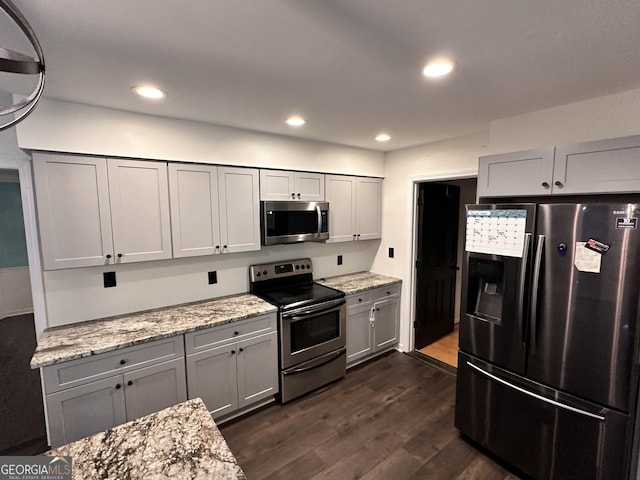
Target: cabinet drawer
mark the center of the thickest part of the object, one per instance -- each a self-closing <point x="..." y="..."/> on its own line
<point x="204" y="339"/>
<point x="388" y="291"/>
<point x="356" y="299"/>
<point x="83" y="370"/>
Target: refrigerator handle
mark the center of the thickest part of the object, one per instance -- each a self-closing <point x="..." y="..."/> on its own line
<point x="521" y="285"/>
<point x="535" y="284"/>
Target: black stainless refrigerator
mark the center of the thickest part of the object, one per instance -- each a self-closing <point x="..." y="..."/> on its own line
<point x="548" y="355"/>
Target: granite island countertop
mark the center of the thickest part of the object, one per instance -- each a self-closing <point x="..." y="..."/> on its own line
<point x="69" y="342"/>
<point x="179" y="442"/>
<point x="358" y="282"/>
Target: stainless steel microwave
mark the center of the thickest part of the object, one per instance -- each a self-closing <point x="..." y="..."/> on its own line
<point x="293" y="222"/>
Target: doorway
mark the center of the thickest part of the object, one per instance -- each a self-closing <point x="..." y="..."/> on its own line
<point x="22" y="428"/>
<point x="440" y="223"/>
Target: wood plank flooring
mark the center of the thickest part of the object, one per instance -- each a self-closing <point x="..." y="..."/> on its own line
<point x="445" y="349"/>
<point x="391" y="418"/>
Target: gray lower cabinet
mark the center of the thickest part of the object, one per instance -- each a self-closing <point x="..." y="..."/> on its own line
<point x="372" y="323"/>
<point x="233" y="367"/>
<point x="88" y="395"/>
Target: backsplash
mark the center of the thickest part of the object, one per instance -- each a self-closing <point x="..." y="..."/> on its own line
<point x="76" y="295"/>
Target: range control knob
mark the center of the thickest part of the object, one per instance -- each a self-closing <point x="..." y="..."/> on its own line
<point x="264" y="272"/>
<point x="302" y="267"/>
<point x="297" y="267"/>
<point x="258" y="274"/>
<point x="308" y="266"/>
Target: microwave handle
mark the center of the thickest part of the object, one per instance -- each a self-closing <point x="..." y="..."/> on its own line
<point x="319" y="212"/>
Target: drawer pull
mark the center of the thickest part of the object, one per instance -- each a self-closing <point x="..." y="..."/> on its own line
<point x="118" y="386"/>
<point x="236" y="333"/>
<point x="242" y="350"/>
<point x="233" y="352"/>
<point x="122" y="362"/>
<point x="130" y="382"/>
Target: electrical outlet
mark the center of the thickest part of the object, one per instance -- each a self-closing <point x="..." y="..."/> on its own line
<point x="391" y="252"/>
<point x="339" y="259"/>
<point x="109" y="279"/>
<point x="213" y="277"/>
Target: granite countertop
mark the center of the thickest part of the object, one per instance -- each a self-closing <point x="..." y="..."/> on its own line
<point x="69" y="342"/>
<point x="179" y="442"/>
<point x="358" y="282"/>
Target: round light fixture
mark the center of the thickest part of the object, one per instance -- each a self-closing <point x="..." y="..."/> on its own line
<point x="438" y="68"/>
<point x="296" y="121"/>
<point x="383" y="137"/>
<point x="148" y="91"/>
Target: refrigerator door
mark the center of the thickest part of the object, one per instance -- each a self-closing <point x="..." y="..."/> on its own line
<point x="584" y="317"/>
<point x="544" y="433"/>
<point x="493" y="323"/>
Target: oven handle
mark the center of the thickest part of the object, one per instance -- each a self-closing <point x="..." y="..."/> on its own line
<point x="316" y="362"/>
<point x="306" y="312"/>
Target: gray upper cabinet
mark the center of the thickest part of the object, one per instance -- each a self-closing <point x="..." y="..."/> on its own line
<point x="520" y="173"/>
<point x="97" y="212"/>
<point x="287" y="185"/>
<point x="602" y="166"/>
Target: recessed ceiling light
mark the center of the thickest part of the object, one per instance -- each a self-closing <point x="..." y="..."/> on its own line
<point x="438" y="68"/>
<point x="296" y="121"/>
<point x="147" y="91"/>
<point x="383" y="137"/>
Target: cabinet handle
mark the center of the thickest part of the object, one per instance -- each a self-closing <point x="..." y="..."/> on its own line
<point x="233" y="352"/>
<point x="242" y="350"/>
<point x="123" y="361"/>
<point x="359" y="299"/>
<point x="217" y="247"/>
<point x="236" y="333"/>
<point x="298" y="195"/>
<point x="119" y="255"/>
<point x="559" y="184"/>
<point x="354" y="236"/>
<point x="293" y="195"/>
<point x="388" y="293"/>
<point x="358" y="236"/>
<point x="377" y="309"/>
<point x="224" y="247"/>
<point x="118" y="386"/>
<point x="130" y="382"/>
<point x="109" y="255"/>
<point x="545" y="184"/>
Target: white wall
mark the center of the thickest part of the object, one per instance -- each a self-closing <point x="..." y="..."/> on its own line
<point x="75" y="128"/>
<point x="604" y="117"/>
<point x="456" y="158"/>
<point x="78" y="294"/>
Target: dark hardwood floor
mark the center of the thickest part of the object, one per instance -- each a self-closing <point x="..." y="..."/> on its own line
<point x="391" y="418"/>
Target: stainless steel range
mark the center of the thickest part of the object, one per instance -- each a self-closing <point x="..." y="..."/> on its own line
<point x="311" y="325"/>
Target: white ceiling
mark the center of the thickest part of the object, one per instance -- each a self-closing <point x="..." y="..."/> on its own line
<point x="351" y="67"/>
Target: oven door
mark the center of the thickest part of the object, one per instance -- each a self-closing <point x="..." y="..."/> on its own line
<point x="309" y="332"/>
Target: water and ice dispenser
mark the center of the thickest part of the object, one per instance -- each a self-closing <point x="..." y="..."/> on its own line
<point x="485" y="292"/>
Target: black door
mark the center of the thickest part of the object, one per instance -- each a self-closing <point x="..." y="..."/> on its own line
<point x="438" y="206"/>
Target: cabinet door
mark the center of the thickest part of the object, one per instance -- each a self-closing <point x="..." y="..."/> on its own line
<point x="386" y="323"/>
<point x="77" y="412"/>
<point x="212" y="376"/>
<point x="513" y="174"/>
<point x="257" y="368"/>
<point x="368" y="208"/>
<point x="359" y="332"/>
<point x="341" y="195"/>
<point x="72" y="196"/>
<point x="195" y="222"/>
<point x="239" y="209"/>
<point x="153" y="388"/>
<point x="605" y="166"/>
<point x="309" y="186"/>
<point x="139" y="197"/>
<point x="277" y="185"/>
